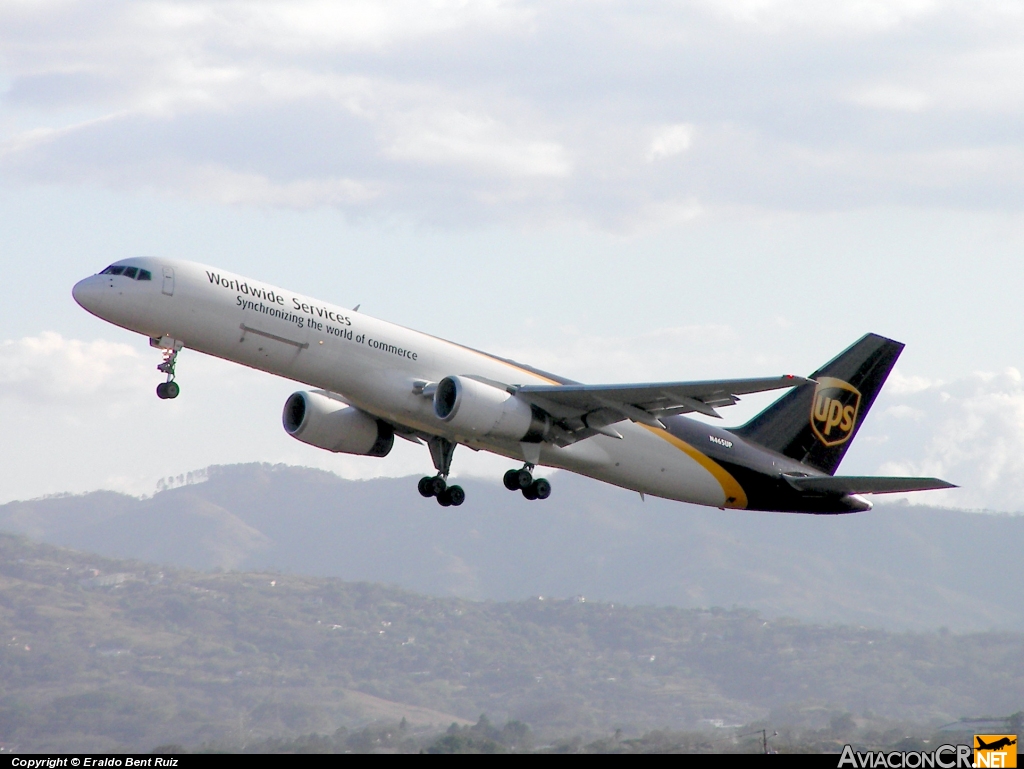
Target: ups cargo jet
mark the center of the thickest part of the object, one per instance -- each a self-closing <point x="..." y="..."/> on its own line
<point x="375" y="381"/>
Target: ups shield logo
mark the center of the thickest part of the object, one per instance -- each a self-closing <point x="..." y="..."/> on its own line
<point x="834" y="410"/>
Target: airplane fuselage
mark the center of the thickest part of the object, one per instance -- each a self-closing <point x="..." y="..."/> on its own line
<point x="381" y="368"/>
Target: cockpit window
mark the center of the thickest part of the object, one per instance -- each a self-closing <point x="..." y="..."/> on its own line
<point x="135" y="273"/>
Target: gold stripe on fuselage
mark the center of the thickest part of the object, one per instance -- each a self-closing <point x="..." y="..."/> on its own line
<point x="509" y="363"/>
<point x="734" y="495"/>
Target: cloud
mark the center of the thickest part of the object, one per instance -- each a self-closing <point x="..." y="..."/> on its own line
<point x="890" y="97"/>
<point x="969" y="431"/>
<point x="482" y="111"/>
<point x="296" y="27"/>
<point x="223" y="185"/>
<point x="670" y="140"/>
<point x="474" y="142"/>
<point x="899" y="383"/>
<point x="48" y="367"/>
<point x="857" y="16"/>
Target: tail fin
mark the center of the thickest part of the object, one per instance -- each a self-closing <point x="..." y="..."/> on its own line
<point x="815" y="424"/>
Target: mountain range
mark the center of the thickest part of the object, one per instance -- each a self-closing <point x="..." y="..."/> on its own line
<point x="898" y="567"/>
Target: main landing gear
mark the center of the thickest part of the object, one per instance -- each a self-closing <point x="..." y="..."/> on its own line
<point x="436" y="486"/>
<point x="522" y="480"/>
<point x="169" y="389"/>
<point x="441" y="451"/>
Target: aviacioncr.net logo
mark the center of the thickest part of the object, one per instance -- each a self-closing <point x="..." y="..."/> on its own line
<point x="995" y="751"/>
<point x="834" y="410"/>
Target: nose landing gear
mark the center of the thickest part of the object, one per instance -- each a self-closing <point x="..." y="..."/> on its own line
<point x="523" y="480"/>
<point x="441" y="451"/>
<point x="171" y="347"/>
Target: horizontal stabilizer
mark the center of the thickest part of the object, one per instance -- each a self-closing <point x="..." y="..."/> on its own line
<point x="856" y="484"/>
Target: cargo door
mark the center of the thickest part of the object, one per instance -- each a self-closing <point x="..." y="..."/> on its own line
<point x="169" y="281"/>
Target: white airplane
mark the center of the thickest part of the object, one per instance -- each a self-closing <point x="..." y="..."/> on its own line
<point x="375" y="380"/>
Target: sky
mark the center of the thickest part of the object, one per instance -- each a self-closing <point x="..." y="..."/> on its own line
<point x="615" y="191"/>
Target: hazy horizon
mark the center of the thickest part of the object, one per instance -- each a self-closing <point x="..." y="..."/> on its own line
<point x="200" y="475"/>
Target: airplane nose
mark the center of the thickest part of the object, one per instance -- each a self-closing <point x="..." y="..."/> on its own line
<point x="87" y="293"/>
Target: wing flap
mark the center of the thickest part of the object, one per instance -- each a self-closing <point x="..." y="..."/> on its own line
<point x="854" y="484"/>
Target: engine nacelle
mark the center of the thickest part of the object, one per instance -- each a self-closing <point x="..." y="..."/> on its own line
<point x="329" y="424"/>
<point x="475" y="409"/>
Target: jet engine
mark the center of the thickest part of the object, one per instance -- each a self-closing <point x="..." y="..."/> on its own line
<point x="329" y="424"/>
<point x="473" y="408"/>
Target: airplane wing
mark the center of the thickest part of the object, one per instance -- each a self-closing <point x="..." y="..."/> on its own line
<point x="854" y="484"/>
<point x="595" y="407"/>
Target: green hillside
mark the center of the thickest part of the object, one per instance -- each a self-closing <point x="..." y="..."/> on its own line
<point x="102" y="654"/>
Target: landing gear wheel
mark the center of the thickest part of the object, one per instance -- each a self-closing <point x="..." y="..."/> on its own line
<point x="441" y="450"/>
<point x="542" y="488"/>
<point x="169" y="388"/>
<point x="426" y="486"/>
<point x="166" y="390"/>
<point x="511" y="480"/>
<point x="525" y="478"/>
<point x="455" y="495"/>
<point x="530" y="492"/>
